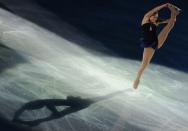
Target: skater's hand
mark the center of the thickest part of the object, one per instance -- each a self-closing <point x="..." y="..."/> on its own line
<point x="168" y="5"/>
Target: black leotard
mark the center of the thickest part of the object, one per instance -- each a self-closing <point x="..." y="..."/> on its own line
<point x="149" y="36"/>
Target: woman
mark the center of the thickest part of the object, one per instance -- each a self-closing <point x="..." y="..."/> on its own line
<point x="150" y="41"/>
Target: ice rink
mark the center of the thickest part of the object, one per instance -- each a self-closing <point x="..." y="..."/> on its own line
<point x="39" y="64"/>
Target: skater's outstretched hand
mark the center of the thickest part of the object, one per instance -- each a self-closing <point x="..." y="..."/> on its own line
<point x="170" y="6"/>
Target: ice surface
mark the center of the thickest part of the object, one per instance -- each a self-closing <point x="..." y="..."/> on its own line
<point x="54" y="67"/>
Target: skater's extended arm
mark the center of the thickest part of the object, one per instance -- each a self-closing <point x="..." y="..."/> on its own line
<point x="156" y="9"/>
<point x="152" y="12"/>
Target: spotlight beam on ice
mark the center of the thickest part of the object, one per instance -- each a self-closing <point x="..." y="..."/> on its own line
<point x="55" y="68"/>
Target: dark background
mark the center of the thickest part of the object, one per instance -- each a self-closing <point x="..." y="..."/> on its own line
<point x="116" y="24"/>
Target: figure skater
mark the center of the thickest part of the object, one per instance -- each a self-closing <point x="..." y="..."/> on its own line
<point x="150" y="41"/>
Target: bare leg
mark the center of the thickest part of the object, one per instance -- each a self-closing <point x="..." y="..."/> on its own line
<point x="148" y="52"/>
<point x="147" y="56"/>
<point x="165" y="31"/>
